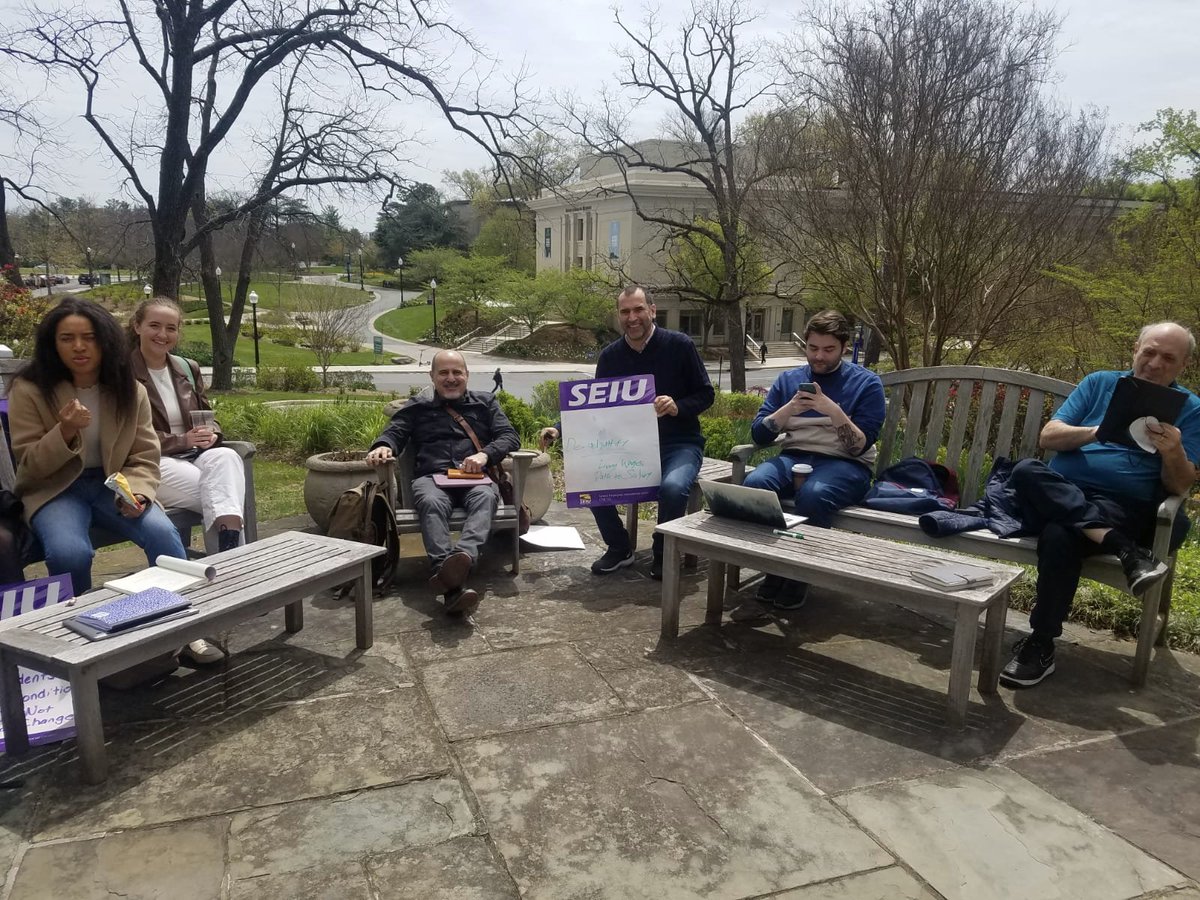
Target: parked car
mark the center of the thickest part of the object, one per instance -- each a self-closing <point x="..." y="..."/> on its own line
<point x="85" y="278"/>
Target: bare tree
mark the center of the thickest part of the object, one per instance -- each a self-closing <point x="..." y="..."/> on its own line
<point x="204" y="63"/>
<point x="933" y="184"/>
<point x="331" y="318"/>
<point x="708" y="78"/>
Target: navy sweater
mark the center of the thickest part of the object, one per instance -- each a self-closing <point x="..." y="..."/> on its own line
<point x="679" y="373"/>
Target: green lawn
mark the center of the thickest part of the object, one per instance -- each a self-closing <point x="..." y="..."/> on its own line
<point x="271" y="354"/>
<point x="407" y="323"/>
<point x="272" y="294"/>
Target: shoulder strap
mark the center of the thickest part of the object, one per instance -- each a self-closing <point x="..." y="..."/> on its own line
<point x="185" y="369"/>
<point x="457" y="417"/>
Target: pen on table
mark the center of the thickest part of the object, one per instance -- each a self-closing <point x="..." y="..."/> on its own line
<point x="792" y="534"/>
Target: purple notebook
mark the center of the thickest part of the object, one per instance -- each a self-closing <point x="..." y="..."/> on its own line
<point x="133" y="609"/>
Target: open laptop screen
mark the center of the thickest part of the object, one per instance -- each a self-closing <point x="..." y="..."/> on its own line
<point x="736" y="501"/>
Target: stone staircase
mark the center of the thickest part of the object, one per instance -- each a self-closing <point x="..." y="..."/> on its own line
<point x="512" y="331"/>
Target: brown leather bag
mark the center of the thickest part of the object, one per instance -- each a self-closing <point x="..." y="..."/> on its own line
<point x="508" y="492"/>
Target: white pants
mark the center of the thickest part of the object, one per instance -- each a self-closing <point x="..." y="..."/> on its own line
<point x="213" y="484"/>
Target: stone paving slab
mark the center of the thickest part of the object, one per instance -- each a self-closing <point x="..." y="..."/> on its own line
<point x="321" y="833"/>
<point x="461" y="869"/>
<point x="667" y="804"/>
<point x="517" y="689"/>
<point x="892" y="883"/>
<point x="1143" y="786"/>
<point x="853" y="713"/>
<point x="979" y="835"/>
<point x="185" y="859"/>
<point x="252" y="758"/>
<point x="347" y="881"/>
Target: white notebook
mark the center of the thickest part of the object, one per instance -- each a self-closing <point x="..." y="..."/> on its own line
<point x="168" y="573"/>
<point x="954" y="576"/>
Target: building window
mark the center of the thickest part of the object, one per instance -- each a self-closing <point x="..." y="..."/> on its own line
<point x="660" y="318"/>
<point x="579" y="229"/>
<point x="785" y="322"/>
<point x="718" y="326"/>
<point x="691" y="323"/>
<point x="614" y="239"/>
<point x="546" y="244"/>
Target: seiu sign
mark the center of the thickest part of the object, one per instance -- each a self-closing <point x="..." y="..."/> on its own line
<point x="598" y="393"/>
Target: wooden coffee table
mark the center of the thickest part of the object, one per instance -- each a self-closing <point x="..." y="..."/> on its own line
<point x="855" y="563"/>
<point x="254" y="579"/>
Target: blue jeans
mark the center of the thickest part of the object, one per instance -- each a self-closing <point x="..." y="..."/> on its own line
<point x="680" y="466"/>
<point x="434" y="505"/>
<point x="834" y="484"/>
<point x="62" y="526"/>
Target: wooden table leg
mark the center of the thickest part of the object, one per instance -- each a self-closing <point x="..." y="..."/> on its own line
<point x="293" y="616"/>
<point x="12" y="707"/>
<point x="364" y="609"/>
<point x="89" y="730"/>
<point x="966" y="623"/>
<point x="716" y="592"/>
<point x="993" y="641"/>
<point x="670" y="589"/>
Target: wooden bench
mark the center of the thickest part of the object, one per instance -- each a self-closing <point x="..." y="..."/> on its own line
<point x="845" y="562"/>
<point x="183" y="519"/>
<point x="976" y="414"/>
<point x="251" y="580"/>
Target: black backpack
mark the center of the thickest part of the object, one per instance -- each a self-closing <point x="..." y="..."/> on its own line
<point x="363" y="514"/>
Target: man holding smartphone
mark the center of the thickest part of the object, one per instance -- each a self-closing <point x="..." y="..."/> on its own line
<point x="831" y="411"/>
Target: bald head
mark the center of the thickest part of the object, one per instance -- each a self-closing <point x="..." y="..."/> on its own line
<point x="448" y="372"/>
<point x="1162" y="351"/>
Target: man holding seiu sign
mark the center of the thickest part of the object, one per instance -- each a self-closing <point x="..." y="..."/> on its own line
<point x="683" y="392"/>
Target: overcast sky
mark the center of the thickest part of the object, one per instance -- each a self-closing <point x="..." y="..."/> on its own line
<point x="1129" y="57"/>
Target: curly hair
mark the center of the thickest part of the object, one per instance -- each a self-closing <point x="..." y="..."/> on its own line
<point x="46" y="370"/>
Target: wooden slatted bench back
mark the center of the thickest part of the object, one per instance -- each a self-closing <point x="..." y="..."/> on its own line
<point x="978" y="411"/>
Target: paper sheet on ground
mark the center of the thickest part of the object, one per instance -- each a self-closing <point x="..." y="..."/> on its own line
<point x="553" y="537"/>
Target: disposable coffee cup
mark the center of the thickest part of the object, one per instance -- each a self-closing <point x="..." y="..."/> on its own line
<point x="800" y="473"/>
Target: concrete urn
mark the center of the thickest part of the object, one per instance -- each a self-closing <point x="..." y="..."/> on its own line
<point x="329" y="474"/>
<point x="539" y="485"/>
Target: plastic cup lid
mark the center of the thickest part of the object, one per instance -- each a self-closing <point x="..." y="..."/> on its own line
<point x="802" y="469"/>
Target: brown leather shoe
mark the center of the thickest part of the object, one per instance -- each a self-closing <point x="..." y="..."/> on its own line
<point x="462" y="601"/>
<point x="453" y="572"/>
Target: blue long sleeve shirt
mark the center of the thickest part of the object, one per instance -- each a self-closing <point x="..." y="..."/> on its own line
<point x="679" y="373"/>
<point x="857" y="390"/>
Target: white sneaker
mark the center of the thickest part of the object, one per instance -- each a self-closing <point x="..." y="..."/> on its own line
<point x="202" y="653"/>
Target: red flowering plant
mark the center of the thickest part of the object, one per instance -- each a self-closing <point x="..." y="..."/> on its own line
<point x="20" y="313"/>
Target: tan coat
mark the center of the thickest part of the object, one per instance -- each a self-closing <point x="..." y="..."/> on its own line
<point x="47" y="465"/>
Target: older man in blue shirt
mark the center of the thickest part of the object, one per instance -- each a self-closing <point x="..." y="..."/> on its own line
<point x="831" y="411"/>
<point x="1102" y="497"/>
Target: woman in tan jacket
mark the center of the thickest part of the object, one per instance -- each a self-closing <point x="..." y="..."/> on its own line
<point x="77" y="415"/>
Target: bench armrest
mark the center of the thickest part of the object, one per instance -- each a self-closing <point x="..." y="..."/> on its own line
<point x="741" y="453"/>
<point x="1164" y="523"/>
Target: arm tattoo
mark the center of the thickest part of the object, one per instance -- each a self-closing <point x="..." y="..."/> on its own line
<point x="850" y="438"/>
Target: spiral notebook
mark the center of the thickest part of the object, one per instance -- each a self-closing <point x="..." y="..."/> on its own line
<point x="133" y="609"/>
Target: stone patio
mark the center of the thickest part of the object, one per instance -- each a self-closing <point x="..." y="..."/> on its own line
<point x="556" y="750"/>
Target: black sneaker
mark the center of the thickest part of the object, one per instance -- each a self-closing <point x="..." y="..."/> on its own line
<point x="1142" y="570"/>
<point x="792" y="595"/>
<point x="770" y="588"/>
<point x="1033" y="660"/>
<point x="656" y="568"/>
<point x="612" y="560"/>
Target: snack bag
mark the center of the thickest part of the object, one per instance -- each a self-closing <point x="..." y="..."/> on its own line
<point x="119" y="485"/>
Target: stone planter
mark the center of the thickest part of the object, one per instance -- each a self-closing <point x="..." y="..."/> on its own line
<point x="329" y="474"/>
<point x="539" y="485"/>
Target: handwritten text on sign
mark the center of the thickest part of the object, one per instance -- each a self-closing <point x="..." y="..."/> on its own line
<point x="610" y="441"/>
<point x="49" y="713"/>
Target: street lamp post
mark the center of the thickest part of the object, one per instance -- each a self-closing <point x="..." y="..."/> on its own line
<point x="88" y="251"/>
<point x="400" y="269"/>
<point x="147" y="290"/>
<point x="220" y="294"/>
<point x="347" y="267"/>
<point x="433" y="292"/>
<point x="254" y="313"/>
<point x="361" y="287"/>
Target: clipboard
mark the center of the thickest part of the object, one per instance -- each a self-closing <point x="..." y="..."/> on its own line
<point x="1134" y="398"/>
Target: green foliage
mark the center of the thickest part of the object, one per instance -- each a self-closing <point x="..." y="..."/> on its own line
<point x="508" y="233"/>
<point x="421" y="220"/>
<point x="20" y="313"/>
<point x="407" y="323"/>
<point x="288" y="378"/>
<point x="722" y="434"/>
<point x="522" y="417"/>
<point x="474" y="281"/>
<point x="734" y="405"/>
<point x="422" y="265"/>
<point x="696" y="259"/>
<point x="297" y="433"/>
<point x="545" y="400"/>
<point x="201" y="353"/>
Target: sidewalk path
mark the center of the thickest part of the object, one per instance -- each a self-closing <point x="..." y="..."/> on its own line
<point x="557" y="749"/>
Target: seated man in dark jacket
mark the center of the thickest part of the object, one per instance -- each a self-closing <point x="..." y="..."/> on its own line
<point x="441" y="442"/>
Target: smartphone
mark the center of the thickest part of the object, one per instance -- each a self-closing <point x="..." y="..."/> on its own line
<point x="807" y="386"/>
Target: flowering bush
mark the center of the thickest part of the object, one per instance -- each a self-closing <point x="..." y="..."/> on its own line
<point x="19" y="315"/>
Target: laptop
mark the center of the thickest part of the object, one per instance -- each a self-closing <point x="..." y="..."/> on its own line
<point x="747" y="504"/>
